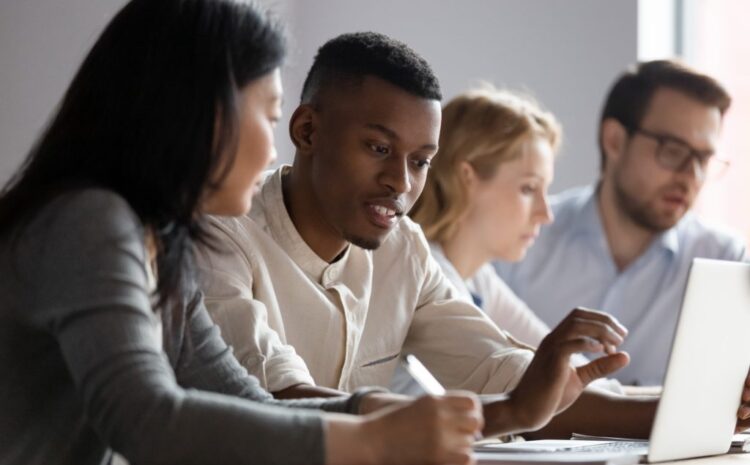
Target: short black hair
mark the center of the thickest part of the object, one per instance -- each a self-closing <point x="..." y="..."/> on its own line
<point x="631" y="93"/>
<point x="351" y="57"/>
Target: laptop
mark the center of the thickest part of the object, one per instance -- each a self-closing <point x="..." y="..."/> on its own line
<point x="702" y="387"/>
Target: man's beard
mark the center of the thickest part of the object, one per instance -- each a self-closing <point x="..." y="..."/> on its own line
<point x="363" y="242"/>
<point x="640" y="213"/>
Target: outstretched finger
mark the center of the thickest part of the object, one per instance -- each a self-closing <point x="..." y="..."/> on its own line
<point x="579" y="344"/>
<point x="602" y="367"/>
<point x="577" y="327"/>
<point x="743" y="413"/>
<point x="742" y="426"/>
<point x="603" y="317"/>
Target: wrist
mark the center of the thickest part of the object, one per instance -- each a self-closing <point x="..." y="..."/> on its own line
<point x="350" y="440"/>
<point x="502" y="416"/>
<point x="364" y="400"/>
<point x="377" y="401"/>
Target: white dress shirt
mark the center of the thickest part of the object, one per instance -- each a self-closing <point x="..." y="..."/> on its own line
<point x="348" y="321"/>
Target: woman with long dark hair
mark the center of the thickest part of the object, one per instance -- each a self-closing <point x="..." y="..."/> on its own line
<point x="105" y="344"/>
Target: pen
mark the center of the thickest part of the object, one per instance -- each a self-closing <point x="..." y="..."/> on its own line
<point x="424" y="378"/>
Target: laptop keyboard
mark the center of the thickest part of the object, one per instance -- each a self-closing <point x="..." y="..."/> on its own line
<point x="626" y="447"/>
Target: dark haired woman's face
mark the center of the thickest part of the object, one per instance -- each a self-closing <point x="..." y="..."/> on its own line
<point x="260" y="110"/>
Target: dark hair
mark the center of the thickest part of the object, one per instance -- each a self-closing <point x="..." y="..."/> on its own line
<point x="139" y="119"/>
<point x="631" y="94"/>
<point x="348" y="58"/>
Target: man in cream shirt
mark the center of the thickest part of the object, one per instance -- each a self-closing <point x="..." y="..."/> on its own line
<point x="346" y="336"/>
<point x="326" y="282"/>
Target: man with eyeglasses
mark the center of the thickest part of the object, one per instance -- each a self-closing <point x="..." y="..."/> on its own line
<point x="625" y="244"/>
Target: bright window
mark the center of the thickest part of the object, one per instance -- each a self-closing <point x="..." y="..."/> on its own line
<point x="716" y="39"/>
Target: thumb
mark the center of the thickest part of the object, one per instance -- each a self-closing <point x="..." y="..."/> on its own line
<point x="602" y="366"/>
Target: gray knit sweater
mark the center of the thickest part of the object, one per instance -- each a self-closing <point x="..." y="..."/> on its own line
<point x="83" y="370"/>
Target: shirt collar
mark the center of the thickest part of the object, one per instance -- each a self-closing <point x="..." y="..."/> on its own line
<point x="282" y="229"/>
<point x="669" y="240"/>
<point x="589" y="222"/>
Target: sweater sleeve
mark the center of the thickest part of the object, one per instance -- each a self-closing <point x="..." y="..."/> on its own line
<point x="210" y="365"/>
<point x="85" y="255"/>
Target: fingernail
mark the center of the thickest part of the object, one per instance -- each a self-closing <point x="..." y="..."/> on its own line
<point x="744" y="412"/>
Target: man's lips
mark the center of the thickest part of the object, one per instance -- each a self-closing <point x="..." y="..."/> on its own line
<point x="384" y="213"/>
<point x="675" y="199"/>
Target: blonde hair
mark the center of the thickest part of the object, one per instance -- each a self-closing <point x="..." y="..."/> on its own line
<point x="484" y="127"/>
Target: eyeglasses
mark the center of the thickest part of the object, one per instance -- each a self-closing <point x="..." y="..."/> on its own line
<point x="675" y="155"/>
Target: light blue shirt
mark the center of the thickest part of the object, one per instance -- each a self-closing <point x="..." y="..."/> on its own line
<point x="571" y="265"/>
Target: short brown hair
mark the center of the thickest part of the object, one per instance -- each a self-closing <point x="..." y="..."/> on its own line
<point x="631" y="94"/>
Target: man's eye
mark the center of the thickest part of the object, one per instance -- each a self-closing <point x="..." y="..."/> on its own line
<point x="676" y="151"/>
<point x="381" y="149"/>
<point x="422" y="164"/>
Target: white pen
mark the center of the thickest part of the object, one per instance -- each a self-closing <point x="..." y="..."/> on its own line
<point x="424" y="378"/>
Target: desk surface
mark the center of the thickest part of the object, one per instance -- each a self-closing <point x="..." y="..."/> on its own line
<point x="740" y="459"/>
<point x="726" y="459"/>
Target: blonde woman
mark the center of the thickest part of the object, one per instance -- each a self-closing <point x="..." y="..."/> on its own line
<point x="486" y="198"/>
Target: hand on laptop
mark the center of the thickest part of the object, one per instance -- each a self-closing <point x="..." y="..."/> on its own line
<point x="551" y="383"/>
<point x="743" y="413"/>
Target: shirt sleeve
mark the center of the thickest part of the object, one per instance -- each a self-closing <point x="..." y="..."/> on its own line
<point x="209" y="365"/>
<point x="227" y="280"/>
<point x="86" y="258"/>
<point x="459" y="343"/>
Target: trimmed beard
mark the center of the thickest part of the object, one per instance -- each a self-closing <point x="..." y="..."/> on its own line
<point x="363" y="242"/>
<point x="639" y="212"/>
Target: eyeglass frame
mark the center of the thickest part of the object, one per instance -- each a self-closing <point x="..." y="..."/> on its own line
<point x="704" y="157"/>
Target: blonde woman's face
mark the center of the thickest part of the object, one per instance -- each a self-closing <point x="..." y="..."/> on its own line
<point x="507" y="210"/>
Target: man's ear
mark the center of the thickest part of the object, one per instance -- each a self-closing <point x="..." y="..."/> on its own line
<point x="302" y="127"/>
<point x="614" y="137"/>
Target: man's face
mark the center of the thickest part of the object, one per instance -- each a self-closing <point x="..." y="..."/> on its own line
<point x="652" y="196"/>
<point x="369" y="157"/>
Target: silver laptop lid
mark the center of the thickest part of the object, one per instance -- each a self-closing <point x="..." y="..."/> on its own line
<point x="707" y="365"/>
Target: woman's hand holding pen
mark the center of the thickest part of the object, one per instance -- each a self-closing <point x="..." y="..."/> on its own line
<point x="430" y="430"/>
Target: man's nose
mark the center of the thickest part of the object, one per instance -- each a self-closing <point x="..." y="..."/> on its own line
<point x="396" y="175"/>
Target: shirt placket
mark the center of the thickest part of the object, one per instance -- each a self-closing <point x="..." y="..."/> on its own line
<point x="349" y="307"/>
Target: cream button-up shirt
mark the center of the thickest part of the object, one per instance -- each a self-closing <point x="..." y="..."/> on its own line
<point x="293" y="318"/>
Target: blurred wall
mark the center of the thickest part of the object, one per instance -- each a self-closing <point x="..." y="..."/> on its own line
<point x="564" y="52"/>
<point x="42" y="43"/>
